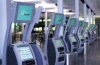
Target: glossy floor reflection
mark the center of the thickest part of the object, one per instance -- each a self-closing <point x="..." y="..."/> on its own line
<point x="93" y="55"/>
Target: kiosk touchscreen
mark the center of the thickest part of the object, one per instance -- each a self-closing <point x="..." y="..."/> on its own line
<point x="72" y="39"/>
<point x="80" y="36"/>
<point x="24" y="54"/>
<point x="58" y="42"/>
<point x="85" y="35"/>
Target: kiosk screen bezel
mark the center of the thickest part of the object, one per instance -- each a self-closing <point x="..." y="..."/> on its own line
<point x="17" y="10"/>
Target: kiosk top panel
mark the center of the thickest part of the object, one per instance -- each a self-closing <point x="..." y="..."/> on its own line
<point x="58" y="19"/>
<point x="24" y="12"/>
<point x="95" y="27"/>
<point x="90" y="26"/>
<point x="72" y="21"/>
<point x="85" y="24"/>
<point x="81" y="23"/>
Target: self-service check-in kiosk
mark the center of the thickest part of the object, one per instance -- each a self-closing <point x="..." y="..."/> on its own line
<point x="70" y="41"/>
<point x="85" y="32"/>
<point x="69" y="38"/>
<point x="92" y="32"/>
<point x="54" y="47"/>
<point x="80" y="37"/>
<point x="23" y="53"/>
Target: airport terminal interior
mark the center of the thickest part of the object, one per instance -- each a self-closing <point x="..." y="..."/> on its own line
<point x="49" y="32"/>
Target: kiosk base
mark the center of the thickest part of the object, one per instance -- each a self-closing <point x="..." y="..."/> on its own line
<point x="0" y="61"/>
<point x="71" y="59"/>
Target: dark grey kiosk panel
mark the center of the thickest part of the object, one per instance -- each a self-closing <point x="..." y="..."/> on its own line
<point x="56" y="52"/>
<point x="40" y="59"/>
<point x="0" y="61"/>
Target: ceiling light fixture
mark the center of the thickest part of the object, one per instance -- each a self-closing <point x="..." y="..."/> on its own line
<point x="35" y="1"/>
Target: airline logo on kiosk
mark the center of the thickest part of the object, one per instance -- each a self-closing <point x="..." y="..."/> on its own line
<point x="24" y="13"/>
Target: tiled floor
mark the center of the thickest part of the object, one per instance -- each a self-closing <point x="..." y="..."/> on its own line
<point x="93" y="55"/>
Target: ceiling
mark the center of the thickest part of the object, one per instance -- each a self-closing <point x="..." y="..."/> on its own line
<point x="70" y="4"/>
<point x="95" y="5"/>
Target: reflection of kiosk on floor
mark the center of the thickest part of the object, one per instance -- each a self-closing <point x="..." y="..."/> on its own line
<point x="55" y="50"/>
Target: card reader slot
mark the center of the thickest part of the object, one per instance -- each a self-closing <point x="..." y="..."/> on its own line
<point x="74" y="50"/>
<point x="82" y="40"/>
<point x="86" y="37"/>
<point x="61" y="58"/>
<point x="74" y="43"/>
<point x="82" y="45"/>
<point x="61" y="52"/>
<point x="29" y="62"/>
<point x="75" y="46"/>
<point x="60" y="49"/>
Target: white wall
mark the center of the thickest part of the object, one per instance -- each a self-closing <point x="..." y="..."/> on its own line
<point x="3" y="21"/>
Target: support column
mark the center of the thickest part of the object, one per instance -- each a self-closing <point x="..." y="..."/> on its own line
<point x="46" y="17"/>
<point x="3" y="24"/>
<point x="77" y="9"/>
<point x="89" y="16"/>
<point x="85" y="13"/>
<point x="60" y="10"/>
<point x="60" y="6"/>
<point x="93" y="18"/>
<point x="85" y="44"/>
<point x="5" y="19"/>
<point x="92" y="21"/>
<point x="77" y="13"/>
